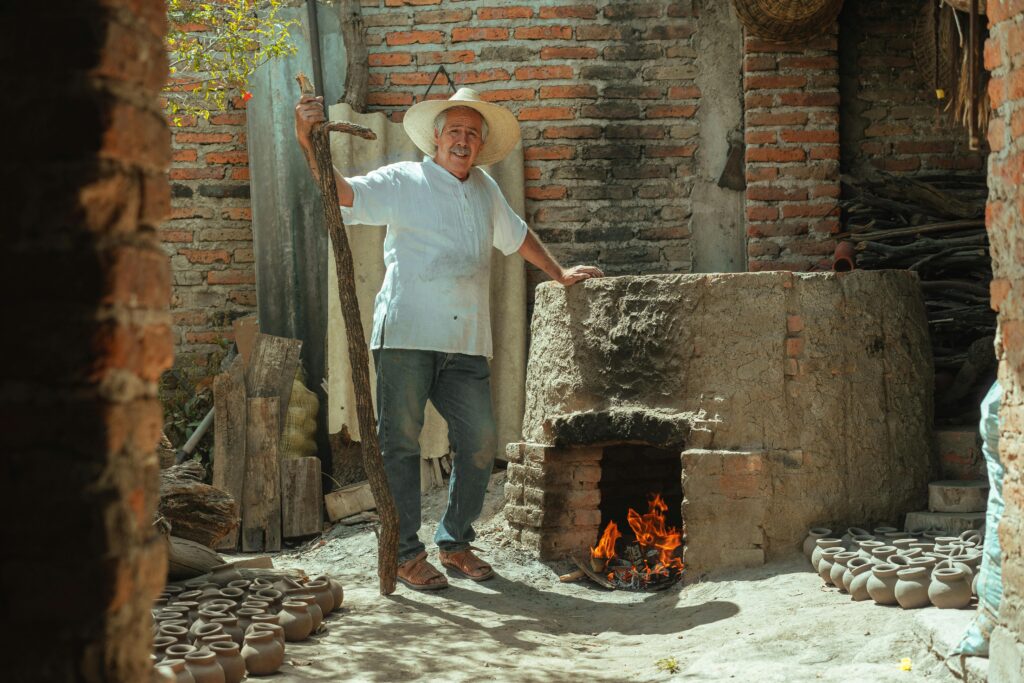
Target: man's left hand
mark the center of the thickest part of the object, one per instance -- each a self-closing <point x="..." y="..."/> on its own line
<point x="571" y="276"/>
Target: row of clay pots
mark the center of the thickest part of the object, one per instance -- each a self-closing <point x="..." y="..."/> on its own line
<point x="909" y="570"/>
<point x="217" y="631"/>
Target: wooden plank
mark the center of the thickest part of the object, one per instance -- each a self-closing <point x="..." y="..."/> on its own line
<point x="261" y="499"/>
<point x="301" y="502"/>
<point x="349" y="500"/>
<point x="271" y="370"/>
<point x="229" y="413"/>
<point x="246" y="330"/>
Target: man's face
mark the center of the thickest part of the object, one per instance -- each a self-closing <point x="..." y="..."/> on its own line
<point x="460" y="141"/>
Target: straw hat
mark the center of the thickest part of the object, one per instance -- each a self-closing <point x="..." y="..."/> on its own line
<point x="502" y="127"/>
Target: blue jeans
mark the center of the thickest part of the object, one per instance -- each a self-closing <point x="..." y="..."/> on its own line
<point x="459" y="386"/>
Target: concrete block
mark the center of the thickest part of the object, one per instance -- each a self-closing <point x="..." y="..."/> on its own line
<point x="953" y="522"/>
<point x="958" y="496"/>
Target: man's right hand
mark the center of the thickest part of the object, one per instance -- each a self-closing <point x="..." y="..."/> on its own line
<point x="309" y="111"/>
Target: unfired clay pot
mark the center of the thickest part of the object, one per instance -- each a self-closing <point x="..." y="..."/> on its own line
<point x="262" y="653"/>
<point x="858" y="586"/>
<point x="245" y="615"/>
<point x="271" y="595"/>
<point x="882" y="552"/>
<point x="314" y="608"/>
<point x="179" y="651"/>
<point x="813" y="534"/>
<point x="881" y="531"/>
<point x="820" y="545"/>
<point x="205" y="618"/>
<point x="882" y="584"/>
<point x="204" y="667"/>
<point x="179" y="633"/>
<point x="339" y="593"/>
<point x="912" y="588"/>
<point x="176" y="668"/>
<point x="974" y="584"/>
<point x="160" y="645"/>
<point x="231" y="627"/>
<point x="229" y="656"/>
<point x="865" y="548"/>
<point x="321" y="590"/>
<point x="205" y="642"/>
<point x="209" y="630"/>
<point x="295" y="620"/>
<point x="276" y="629"/>
<point x="950" y="588"/>
<point x="839" y="561"/>
<point x="851" y="564"/>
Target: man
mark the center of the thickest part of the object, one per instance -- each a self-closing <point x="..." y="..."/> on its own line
<point x="431" y="321"/>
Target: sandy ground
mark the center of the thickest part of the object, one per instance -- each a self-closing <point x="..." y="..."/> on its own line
<point x="774" y="623"/>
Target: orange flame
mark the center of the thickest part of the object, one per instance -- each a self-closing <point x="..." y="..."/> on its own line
<point x="605" y="549"/>
<point x="651" y="531"/>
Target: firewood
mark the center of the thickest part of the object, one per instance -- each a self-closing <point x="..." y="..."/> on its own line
<point x="196" y="511"/>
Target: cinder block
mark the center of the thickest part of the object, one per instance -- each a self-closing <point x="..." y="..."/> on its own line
<point x="953" y="522"/>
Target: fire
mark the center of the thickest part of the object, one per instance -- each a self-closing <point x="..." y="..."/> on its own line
<point x="654" y="538"/>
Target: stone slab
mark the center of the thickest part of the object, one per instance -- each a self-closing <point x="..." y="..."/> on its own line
<point x="953" y="522"/>
<point x="940" y="630"/>
<point x="956" y="495"/>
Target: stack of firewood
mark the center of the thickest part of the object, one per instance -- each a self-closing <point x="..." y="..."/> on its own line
<point x="935" y="226"/>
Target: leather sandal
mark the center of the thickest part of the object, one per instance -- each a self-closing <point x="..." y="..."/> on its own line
<point x="466" y="564"/>
<point x="420" y="575"/>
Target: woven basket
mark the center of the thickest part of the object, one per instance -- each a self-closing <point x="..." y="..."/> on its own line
<point x="787" y="20"/>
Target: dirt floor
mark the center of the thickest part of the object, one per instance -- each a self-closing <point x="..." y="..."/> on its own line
<point x="774" y="623"/>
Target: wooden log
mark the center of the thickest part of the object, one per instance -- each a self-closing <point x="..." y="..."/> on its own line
<point x="349" y="500"/>
<point x="187" y="559"/>
<point x="359" y="360"/>
<point x="246" y="330"/>
<point x="301" y="499"/>
<point x="196" y="511"/>
<point x="261" y="500"/>
<point x="271" y="370"/>
<point x="357" y="66"/>
<point x="229" y="413"/>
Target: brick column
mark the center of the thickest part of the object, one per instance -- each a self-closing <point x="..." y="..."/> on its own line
<point x="1004" y="57"/>
<point x="791" y="119"/>
<point x="86" y="336"/>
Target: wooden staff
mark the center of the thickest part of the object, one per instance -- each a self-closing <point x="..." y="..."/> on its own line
<point x="387" y="541"/>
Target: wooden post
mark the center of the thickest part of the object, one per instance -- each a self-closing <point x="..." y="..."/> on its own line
<point x="359" y="360"/>
<point x="301" y="498"/>
<point x="357" y="65"/>
<point x="229" y="410"/>
<point x="261" y="500"/>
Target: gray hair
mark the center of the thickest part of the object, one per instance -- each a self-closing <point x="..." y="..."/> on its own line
<point x="442" y="119"/>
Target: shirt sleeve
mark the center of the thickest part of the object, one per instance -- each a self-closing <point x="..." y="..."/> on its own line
<point x="509" y="228"/>
<point x="374" y="197"/>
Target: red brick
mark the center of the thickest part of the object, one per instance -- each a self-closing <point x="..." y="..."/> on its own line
<point x="545" y="113"/>
<point x="442" y="16"/>
<point x="235" y="157"/>
<point x="679" y="92"/>
<point x="665" y="151"/>
<point x="543" y="33"/>
<point x="546" y="192"/>
<point x="239" y="173"/>
<point x="390" y="59"/>
<point x="184" y="155"/>
<point x="203" y="138"/>
<point x="669" y="32"/>
<point x="762" y="213"/>
<point x="993" y="54"/>
<point x="415" y="78"/>
<point x="538" y="152"/>
<point x="231" y="277"/>
<point x="773" y="82"/>
<point x="823" y="63"/>
<point x="228" y="119"/>
<point x="482" y="76"/>
<point x="401" y="3"/>
<point x="186" y="212"/>
<point x="671" y="111"/>
<point x="488" y="13"/>
<point x="808" y="210"/>
<point x="809" y="99"/>
<point x="531" y="173"/>
<point x="823" y="152"/>
<point x="414" y="37"/>
<point x="761" y="174"/>
<point x="572" y="132"/>
<point x="772" y="193"/>
<point x="465" y="35"/>
<point x="514" y="94"/>
<point x="206" y="255"/>
<point x="759" y="63"/>
<point x="552" y="92"/>
<point x="137" y="277"/>
<point x="775" y="154"/>
<point x="789" y="118"/>
<point x="237" y="213"/>
<point x="393" y="99"/>
<point x="569" y="12"/>
<point x="598" y="32"/>
<point x="171" y="236"/>
<point x="451" y="57"/>
<point x="203" y="173"/>
<point x="531" y="73"/>
<point x="760" y="137"/>
<point x="568" y="52"/>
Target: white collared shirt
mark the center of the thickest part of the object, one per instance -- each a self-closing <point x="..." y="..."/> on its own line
<point x="440" y="231"/>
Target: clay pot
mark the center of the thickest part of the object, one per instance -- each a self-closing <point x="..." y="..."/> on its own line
<point x="912" y="588"/>
<point x="271" y="628"/>
<point x="205" y="642"/>
<point x="240" y="583"/>
<point x="234" y="594"/>
<point x="882" y="552"/>
<point x="820" y="545"/>
<point x="271" y="595"/>
<point x="204" y="667"/>
<point x="974" y="585"/>
<point x="208" y="630"/>
<point x="224" y="575"/>
<point x="858" y="586"/>
<point x="171" y="589"/>
<point x="950" y="588"/>
<point x="882" y="584"/>
<point x="910" y="552"/>
<point x="179" y="633"/>
<point x="898" y="560"/>
<point x="314" y="608"/>
<point x="839" y="568"/>
<point x="972" y="535"/>
<point x="826" y="561"/>
<point x="881" y="531"/>
<point x="927" y="563"/>
<point x="229" y="656"/>
<point x="222" y="605"/>
<point x="193" y="608"/>
<point x="339" y="593"/>
<point x="851" y="564"/>
<point x="259" y="583"/>
<point x="813" y="534"/>
<point x="205" y="618"/>
<point x="866" y="547"/>
<point x="208" y="590"/>
<point x="854" y="543"/>
<point x="321" y="590"/>
<point x="266" y="619"/>
<point x="261" y="605"/>
<point x="286" y="584"/>
<point x="932" y="534"/>
<point x="245" y="615"/>
<point x="891" y="536"/>
<point x="179" y="650"/>
<point x="902" y="543"/>
<point x="231" y="627"/>
<point x="176" y="669"/>
<point x="262" y="653"/>
<point x="160" y="645"/>
<point x="295" y="620"/>
<point x="159" y="603"/>
<point x="844" y="258"/>
<point x="188" y="596"/>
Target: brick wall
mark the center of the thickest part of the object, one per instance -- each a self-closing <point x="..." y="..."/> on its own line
<point x="791" y="119"/>
<point x="606" y="95"/>
<point x="1004" y="57"/>
<point x="889" y="120"/>
<point x="87" y="336"/>
<point x="209" y="234"/>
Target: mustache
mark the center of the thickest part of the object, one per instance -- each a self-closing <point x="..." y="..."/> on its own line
<point x="460" y="149"/>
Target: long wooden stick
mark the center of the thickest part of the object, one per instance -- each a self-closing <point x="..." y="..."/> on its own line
<point x="387" y="541"/>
